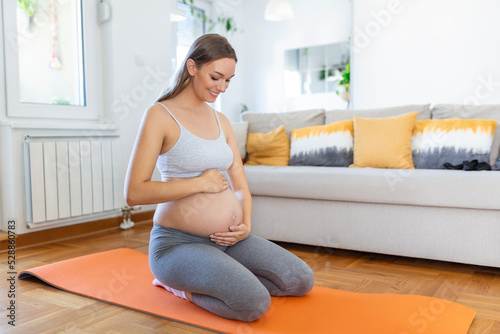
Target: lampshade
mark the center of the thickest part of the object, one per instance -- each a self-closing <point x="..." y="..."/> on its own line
<point x="278" y="10"/>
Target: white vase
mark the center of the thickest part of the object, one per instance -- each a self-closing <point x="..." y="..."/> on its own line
<point x="345" y="93"/>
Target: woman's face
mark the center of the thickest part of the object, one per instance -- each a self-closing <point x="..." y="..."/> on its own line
<point x="211" y="79"/>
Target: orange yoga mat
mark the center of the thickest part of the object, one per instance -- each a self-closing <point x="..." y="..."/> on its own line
<point x="122" y="277"/>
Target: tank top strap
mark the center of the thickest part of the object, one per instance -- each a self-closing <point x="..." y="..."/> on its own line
<point x="180" y="125"/>
<point x="175" y="119"/>
<point x="218" y="122"/>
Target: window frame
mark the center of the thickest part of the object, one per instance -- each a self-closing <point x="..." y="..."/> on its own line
<point x="199" y="5"/>
<point x="3" y="79"/>
<point x="92" y="111"/>
<point x="209" y="10"/>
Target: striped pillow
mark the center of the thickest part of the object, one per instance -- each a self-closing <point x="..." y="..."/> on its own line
<point x="438" y="141"/>
<point x="323" y="145"/>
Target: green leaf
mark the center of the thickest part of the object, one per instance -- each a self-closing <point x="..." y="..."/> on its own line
<point x="29" y="6"/>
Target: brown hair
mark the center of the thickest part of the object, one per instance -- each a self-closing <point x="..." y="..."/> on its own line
<point x="205" y="49"/>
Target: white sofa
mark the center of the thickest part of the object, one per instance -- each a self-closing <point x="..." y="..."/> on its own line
<point x="450" y="215"/>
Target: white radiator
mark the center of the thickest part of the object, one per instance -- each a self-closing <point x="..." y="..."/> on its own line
<point x="71" y="179"/>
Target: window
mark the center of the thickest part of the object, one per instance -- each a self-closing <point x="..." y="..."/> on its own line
<point x="315" y="69"/>
<point x="52" y="59"/>
<point x="188" y="30"/>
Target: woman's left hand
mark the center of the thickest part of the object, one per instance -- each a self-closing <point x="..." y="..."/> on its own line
<point x="237" y="233"/>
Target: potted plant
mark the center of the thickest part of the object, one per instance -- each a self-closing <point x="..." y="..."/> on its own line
<point x="243" y="107"/>
<point x="29" y="6"/>
<point x="226" y="22"/>
<point x="343" y="86"/>
<point x="26" y="10"/>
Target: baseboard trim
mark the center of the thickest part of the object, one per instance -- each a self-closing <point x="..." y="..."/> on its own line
<point x="74" y="231"/>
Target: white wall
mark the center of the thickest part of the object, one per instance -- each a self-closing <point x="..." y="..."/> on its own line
<point x="425" y="52"/>
<point x="136" y="60"/>
<point x="137" y="56"/>
<point x="260" y="48"/>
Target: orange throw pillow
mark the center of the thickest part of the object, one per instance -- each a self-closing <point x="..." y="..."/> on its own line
<point x="270" y="148"/>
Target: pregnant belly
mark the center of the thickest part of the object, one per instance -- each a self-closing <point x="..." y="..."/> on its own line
<point x="202" y="213"/>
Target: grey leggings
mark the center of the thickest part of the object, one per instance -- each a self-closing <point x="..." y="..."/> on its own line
<point x="233" y="282"/>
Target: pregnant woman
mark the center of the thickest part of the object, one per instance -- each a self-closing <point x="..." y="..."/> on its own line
<point x="201" y="248"/>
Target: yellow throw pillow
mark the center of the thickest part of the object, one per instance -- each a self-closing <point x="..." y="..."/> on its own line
<point x="271" y="148"/>
<point x="384" y="142"/>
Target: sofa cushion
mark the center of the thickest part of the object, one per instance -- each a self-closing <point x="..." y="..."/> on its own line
<point x="322" y="145"/>
<point x="265" y="122"/>
<point x="424" y="112"/>
<point x="270" y="148"/>
<point x="383" y="142"/>
<point x="452" y="140"/>
<point x="492" y="111"/>
<point x="240" y="130"/>
<point x="421" y="187"/>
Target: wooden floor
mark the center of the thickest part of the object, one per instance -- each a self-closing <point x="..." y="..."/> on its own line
<point x="43" y="309"/>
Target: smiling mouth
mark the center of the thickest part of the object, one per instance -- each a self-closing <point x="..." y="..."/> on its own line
<point x="213" y="94"/>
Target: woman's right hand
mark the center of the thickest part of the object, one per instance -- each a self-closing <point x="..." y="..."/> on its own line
<point x="213" y="181"/>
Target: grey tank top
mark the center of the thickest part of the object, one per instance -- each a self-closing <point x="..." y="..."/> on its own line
<point x="191" y="155"/>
